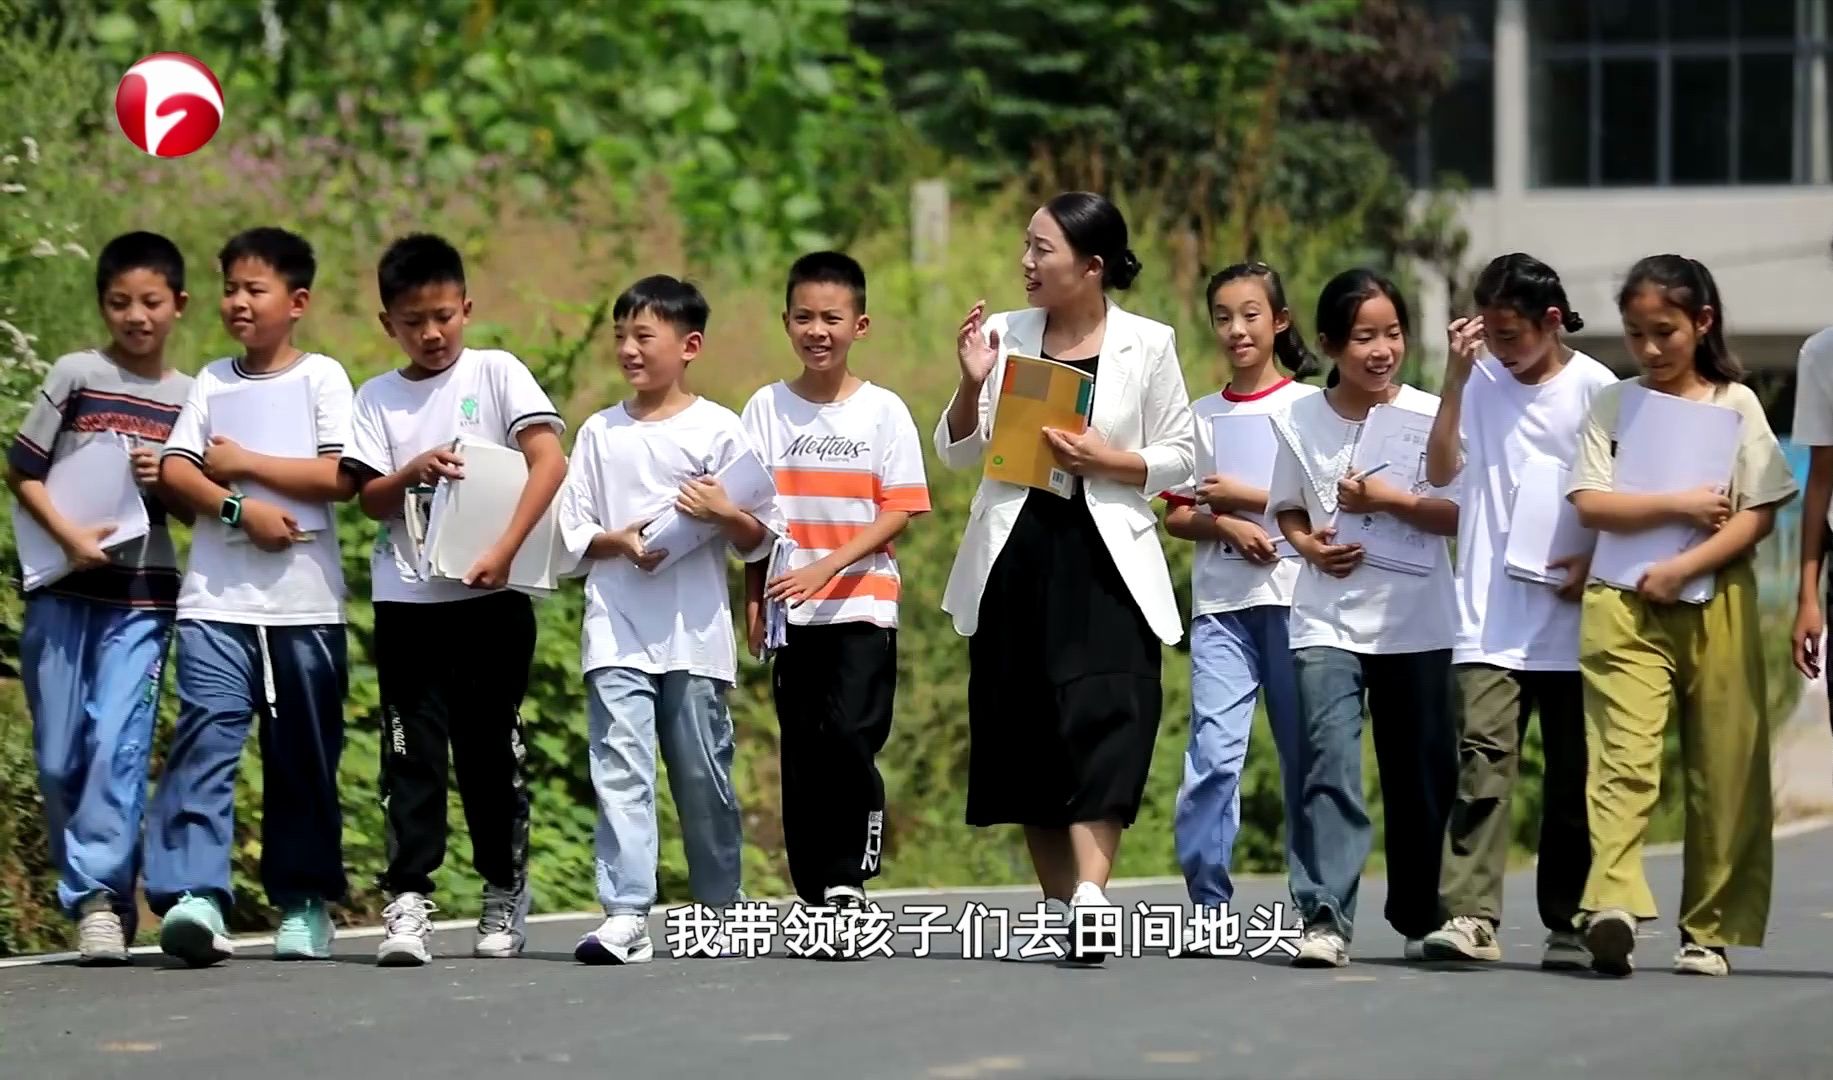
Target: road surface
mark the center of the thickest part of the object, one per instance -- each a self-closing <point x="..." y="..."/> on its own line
<point x="946" y="1017"/>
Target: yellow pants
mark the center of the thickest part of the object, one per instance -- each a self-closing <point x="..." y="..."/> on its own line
<point x="1638" y="658"/>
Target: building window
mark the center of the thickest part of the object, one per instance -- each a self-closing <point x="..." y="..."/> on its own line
<point x="1458" y="136"/>
<point x="1678" y="92"/>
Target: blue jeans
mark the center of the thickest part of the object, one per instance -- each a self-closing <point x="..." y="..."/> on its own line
<point x="92" y="674"/>
<point x="630" y="712"/>
<point x="296" y="678"/>
<point x="1409" y="701"/>
<point x="1234" y="657"/>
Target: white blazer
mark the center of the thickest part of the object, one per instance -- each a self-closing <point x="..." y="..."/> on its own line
<point x="1142" y="405"/>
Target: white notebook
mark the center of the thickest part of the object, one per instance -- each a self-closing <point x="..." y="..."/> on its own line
<point x="277" y="419"/>
<point x="93" y="485"/>
<point x="1666" y="444"/>
<point x="1396" y="438"/>
<point x="468" y="515"/>
<point x="748" y="484"/>
<point x="1543" y="525"/>
<point x="1246" y="450"/>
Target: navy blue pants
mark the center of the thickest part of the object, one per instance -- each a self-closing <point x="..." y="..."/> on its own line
<point x="295" y="678"/>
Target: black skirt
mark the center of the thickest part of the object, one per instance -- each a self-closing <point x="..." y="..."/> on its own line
<point x="1064" y="683"/>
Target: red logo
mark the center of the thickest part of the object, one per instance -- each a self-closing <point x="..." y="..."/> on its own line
<point x="169" y="104"/>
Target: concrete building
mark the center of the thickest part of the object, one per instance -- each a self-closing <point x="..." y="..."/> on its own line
<point x="1592" y="132"/>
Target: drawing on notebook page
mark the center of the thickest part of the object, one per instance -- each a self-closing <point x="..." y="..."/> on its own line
<point x="1397" y="437"/>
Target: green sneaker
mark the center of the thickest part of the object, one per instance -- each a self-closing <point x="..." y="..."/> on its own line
<point x="305" y="932"/>
<point x="193" y="932"/>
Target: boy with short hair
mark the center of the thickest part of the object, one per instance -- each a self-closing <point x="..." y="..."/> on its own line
<point x="848" y="464"/>
<point x="260" y="630"/>
<point x="92" y="650"/>
<point x="452" y="657"/>
<point x="658" y="654"/>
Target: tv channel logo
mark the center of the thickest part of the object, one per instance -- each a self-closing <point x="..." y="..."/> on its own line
<point x="169" y="104"/>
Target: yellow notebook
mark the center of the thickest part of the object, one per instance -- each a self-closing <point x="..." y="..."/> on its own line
<point x="1036" y="394"/>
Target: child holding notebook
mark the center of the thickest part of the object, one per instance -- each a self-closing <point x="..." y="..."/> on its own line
<point x="1642" y="648"/>
<point x="659" y="654"/>
<point x="452" y="656"/>
<point x="1241" y="589"/>
<point x="92" y="650"/>
<point x="260" y="621"/>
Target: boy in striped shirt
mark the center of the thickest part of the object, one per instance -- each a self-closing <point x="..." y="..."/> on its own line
<point x="848" y="465"/>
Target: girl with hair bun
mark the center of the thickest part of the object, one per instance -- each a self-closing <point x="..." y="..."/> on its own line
<point x="1067" y="602"/>
<point x="1515" y="399"/>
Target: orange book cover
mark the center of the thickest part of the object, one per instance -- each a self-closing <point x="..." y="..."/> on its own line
<point x="1036" y="394"/>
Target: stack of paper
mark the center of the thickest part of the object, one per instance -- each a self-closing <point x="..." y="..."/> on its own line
<point x="1543" y="526"/>
<point x="1666" y="444"/>
<point x="1036" y="394"/>
<point x="91" y="486"/>
<point x="274" y="418"/>
<point x="747" y="483"/>
<point x="1395" y="438"/>
<point x="776" y="612"/>
<point x="466" y="516"/>
<point x="1246" y="449"/>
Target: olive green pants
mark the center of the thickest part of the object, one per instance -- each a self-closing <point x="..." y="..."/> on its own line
<point x="1639" y="660"/>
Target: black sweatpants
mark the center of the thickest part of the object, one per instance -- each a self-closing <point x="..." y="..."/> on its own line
<point x="834" y="686"/>
<point x="453" y="675"/>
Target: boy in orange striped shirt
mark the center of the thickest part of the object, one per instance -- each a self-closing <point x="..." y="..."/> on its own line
<point x="849" y="473"/>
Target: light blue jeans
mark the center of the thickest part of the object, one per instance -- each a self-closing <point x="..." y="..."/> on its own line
<point x="1234" y="658"/>
<point x="92" y="675"/>
<point x="631" y="712"/>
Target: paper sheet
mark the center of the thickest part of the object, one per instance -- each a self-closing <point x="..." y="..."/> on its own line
<point x="1246" y="448"/>
<point x="776" y="612"/>
<point x="1543" y="525"/>
<point x="276" y="419"/>
<point x="1397" y="438"/>
<point x="468" y="515"/>
<point x="748" y="484"/>
<point x="1666" y="444"/>
<point x="93" y="485"/>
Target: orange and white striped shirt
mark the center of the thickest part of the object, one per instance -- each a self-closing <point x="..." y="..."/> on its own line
<point x="837" y="467"/>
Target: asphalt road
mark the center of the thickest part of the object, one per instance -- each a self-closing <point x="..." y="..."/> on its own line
<point x="945" y="1016"/>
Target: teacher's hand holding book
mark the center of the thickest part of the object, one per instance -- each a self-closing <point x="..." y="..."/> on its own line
<point x="1078" y="454"/>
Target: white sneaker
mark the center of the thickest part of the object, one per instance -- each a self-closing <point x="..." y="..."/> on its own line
<point x="1696" y="959"/>
<point x="100" y="937"/>
<point x="1089" y="895"/>
<point x="1041" y="952"/>
<point x="620" y="939"/>
<point x="1465" y="937"/>
<point x="1414" y="950"/>
<point x="1611" y="937"/>
<point x="407" y="932"/>
<point x="844" y="896"/>
<point x="1321" y="947"/>
<point x="1565" y="951"/>
<point x="502" y="929"/>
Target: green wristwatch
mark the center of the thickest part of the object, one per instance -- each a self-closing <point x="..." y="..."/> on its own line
<point x="231" y="512"/>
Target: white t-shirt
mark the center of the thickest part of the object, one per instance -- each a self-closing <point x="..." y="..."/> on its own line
<point x="237" y="582"/>
<point x="1373" y="610"/>
<point x="837" y="466"/>
<point x="1504" y="621"/>
<point x="487" y="394"/>
<point x="624" y="471"/>
<point x="1813" y="424"/>
<point x="1220" y="584"/>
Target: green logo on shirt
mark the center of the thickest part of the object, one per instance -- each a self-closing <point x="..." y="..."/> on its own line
<point x="469" y="408"/>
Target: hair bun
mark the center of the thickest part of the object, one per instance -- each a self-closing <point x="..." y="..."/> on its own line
<point x="1572" y="322"/>
<point x="1125" y="269"/>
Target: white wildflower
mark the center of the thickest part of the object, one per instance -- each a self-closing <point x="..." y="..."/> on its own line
<point x="76" y="249"/>
<point x="44" y="249"/>
<point x="12" y="189"/>
<point x="31" y="148"/>
<point x="10" y="160"/>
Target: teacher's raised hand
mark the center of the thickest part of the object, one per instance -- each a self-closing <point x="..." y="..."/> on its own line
<point x="976" y="349"/>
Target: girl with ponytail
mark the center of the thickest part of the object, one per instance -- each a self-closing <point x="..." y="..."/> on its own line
<point x="1515" y="399"/>
<point x="1642" y="652"/>
<point x="1241" y="586"/>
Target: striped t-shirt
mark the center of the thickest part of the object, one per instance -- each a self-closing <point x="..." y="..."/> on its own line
<point x="87" y="395"/>
<point x="838" y="465"/>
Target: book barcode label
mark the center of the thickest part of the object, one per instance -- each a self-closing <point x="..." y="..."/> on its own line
<point x="1059" y="481"/>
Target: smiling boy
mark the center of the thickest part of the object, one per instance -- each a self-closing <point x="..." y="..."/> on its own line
<point x="452" y="657"/>
<point x="659" y="655"/>
<point x="260" y="630"/>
